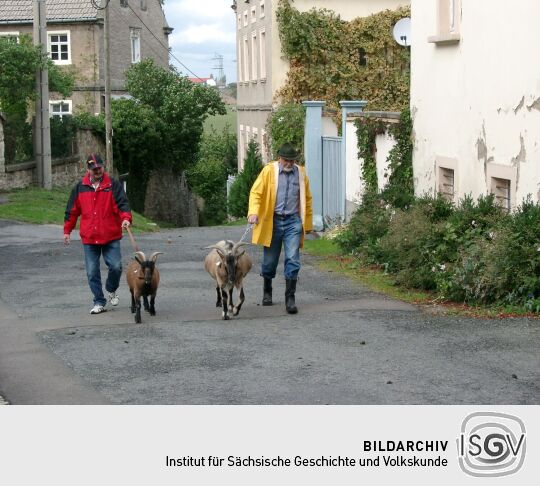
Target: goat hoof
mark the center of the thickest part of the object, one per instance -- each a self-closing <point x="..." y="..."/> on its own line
<point x="132" y="310"/>
<point x="226" y="317"/>
<point x="236" y="311"/>
<point x="138" y="321"/>
<point x="218" y="304"/>
<point x="152" y="313"/>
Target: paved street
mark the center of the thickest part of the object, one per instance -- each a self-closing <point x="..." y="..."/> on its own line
<point x="347" y="345"/>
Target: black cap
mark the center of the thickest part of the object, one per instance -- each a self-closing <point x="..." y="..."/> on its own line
<point x="93" y="161"/>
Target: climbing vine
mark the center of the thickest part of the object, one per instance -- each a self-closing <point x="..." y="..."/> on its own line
<point x="333" y="60"/>
<point x="367" y="129"/>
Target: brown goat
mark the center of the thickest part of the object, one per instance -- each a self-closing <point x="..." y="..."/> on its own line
<point x="143" y="280"/>
<point x="228" y="264"/>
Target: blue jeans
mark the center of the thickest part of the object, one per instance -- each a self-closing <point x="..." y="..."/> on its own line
<point x="287" y="231"/>
<point x="113" y="260"/>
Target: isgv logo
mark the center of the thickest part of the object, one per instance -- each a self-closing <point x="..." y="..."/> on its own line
<point x="491" y="444"/>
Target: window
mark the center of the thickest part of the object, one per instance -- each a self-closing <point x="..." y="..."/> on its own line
<point x="500" y="188"/>
<point x="123" y="3"/>
<point x="242" y="147"/>
<point x="239" y="22"/>
<point x="135" y="46"/>
<point x="59" y="47"/>
<point x="12" y="36"/>
<point x="262" y="53"/>
<point x="245" y="18"/>
<point x="254" y="62"/>
<point x="245" y="60"/>
<point x="253" y="14"/>
<point x="261" y="10"/>
<point x="239" y="64"/>
<point x="60" y="108"/>
<point x="143" y="4"/>
<point x="448" y="22"/>
<point x="446" y="183"/>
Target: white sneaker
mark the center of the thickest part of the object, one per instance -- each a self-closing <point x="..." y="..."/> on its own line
<point x="113" y="298"/>
<point x="98" y="309"/>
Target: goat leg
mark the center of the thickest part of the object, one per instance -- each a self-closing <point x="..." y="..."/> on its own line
<point x="138" y="310"/>
<point x="218" y="303"/>
<point x="231" y="304"/>
<point x="152" y="305"/>
<point x="241" y="299"/>
<point x="224" y="299"/>
<point x="132" y="302"/>
<point x="146" y="306"/>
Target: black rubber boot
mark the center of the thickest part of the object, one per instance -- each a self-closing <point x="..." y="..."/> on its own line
<point x="290" y="289"/>
<point x="267" y="292"/>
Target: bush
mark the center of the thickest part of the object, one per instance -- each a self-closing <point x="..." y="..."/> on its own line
<point x="239" y="195"/>
<point x="208" y="179"/>
<point x="220" y="146"/>
<point x="18" y="140"/>
<point x="62" y="136"/>
<point x="286" y="125"/>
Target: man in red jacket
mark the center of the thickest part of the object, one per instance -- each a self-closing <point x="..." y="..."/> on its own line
<point x="104" y="209"/>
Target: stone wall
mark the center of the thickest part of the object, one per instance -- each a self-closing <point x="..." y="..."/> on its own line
<point x="65" y="171"/>
<point x="169" y="199"/>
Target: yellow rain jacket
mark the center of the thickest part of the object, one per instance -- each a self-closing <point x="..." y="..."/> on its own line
<point x="262" y="201"/>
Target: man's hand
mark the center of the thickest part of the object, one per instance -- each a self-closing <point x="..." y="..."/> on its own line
<point x="67" y="239"/>
<point x="125" y="224"/>
<point x="253" y="219"/>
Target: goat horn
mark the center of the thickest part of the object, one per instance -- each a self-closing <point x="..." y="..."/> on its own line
<point x="154" y="255"/>
<point x="218" y="248"/>
<point x="140" y="254"/>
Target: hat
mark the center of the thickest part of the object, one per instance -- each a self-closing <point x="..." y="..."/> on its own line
<point x="287" y="151"/>
<point x="93" y="161"/>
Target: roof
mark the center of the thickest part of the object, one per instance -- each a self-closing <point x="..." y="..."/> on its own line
<point x="22" y="10"/>
<point x="199" y="80"/>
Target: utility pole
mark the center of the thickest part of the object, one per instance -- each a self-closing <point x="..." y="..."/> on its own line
<point x="107" y="75"/>
<point x="42" y="131"/>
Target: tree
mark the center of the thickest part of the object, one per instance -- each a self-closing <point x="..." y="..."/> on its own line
<point x="18" y="65"/>
<point x="239" y="195"/>
<point x="160" y="128"/>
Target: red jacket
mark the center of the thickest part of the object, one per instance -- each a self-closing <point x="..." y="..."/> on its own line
<point x="102" y="211"/>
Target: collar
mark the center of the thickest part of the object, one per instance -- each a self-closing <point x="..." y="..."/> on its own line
<point x="104" y="183"/>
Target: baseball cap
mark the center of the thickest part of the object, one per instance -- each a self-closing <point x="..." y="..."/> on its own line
<point x="93" y="161"/>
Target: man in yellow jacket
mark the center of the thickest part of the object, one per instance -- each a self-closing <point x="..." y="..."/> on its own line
<point x="280" y="205"/>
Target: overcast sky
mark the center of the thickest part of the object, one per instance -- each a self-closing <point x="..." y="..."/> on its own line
<point x="202" y="28"/>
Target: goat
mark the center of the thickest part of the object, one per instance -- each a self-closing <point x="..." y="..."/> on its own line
<point x="143" y="279"/>
<point x="228" y="264"/>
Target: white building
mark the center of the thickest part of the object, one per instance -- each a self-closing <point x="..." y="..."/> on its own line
<point x="475" y="98"/>
<point x="261" y="69"/>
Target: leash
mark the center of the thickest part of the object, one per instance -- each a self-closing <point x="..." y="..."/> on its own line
<point x="248" y="229"/>
<point x="133" y="244"/>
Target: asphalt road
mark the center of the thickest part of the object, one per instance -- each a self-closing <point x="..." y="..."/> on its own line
<point x="346" y="346"/>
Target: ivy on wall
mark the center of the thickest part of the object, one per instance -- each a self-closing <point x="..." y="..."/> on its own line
<point x="399" y="191"/>
<point x="333" y="60"/>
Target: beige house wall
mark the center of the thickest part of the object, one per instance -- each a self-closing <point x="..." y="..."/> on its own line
<point x="475" y="98"/>
<point x="256" y="98"/>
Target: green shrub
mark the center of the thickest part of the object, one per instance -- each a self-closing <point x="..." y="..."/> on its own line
<point x="239" y="194"/>
<point x="368" y="224"/>
<point x="208" y="179"/>
<point x="220" y="146"/>
<point x="62" y="136"/>
<point x="18" y="139"/>
<point x="286" y="125"/>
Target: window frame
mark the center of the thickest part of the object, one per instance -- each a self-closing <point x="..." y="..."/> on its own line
<point x="254" y="71"/>
<point x="60" y="62"/>
<point x="60" y="114"/>
<point x="135" y="33"/>
<point x="262" y="54"/>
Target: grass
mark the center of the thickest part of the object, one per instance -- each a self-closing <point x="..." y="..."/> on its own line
<point x="218" y="122"/>
<point x="38" y="206"/>
<point x="332" y="260"/>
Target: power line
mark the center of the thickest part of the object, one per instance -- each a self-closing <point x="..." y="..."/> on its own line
<point x="163" y="45"/>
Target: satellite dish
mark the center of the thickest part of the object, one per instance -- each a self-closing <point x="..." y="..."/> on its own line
<point x="402" y="32"/>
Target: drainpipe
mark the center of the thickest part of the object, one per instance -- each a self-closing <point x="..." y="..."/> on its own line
<point x="347" y="108"/>
<point x="313" y="156"/>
